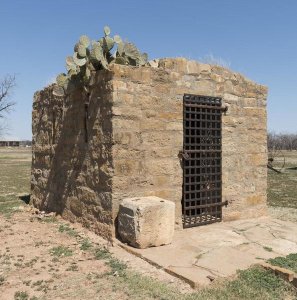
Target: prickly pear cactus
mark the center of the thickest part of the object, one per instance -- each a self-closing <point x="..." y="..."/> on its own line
<point x="84" y="40"/>
<point x="90" y="56"/>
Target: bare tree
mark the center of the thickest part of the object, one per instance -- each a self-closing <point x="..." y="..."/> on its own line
<point x="7" y="85"/>
<point x="282" y="141"/>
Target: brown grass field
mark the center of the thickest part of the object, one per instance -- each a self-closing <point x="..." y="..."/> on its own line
<point x="49" y="258"/>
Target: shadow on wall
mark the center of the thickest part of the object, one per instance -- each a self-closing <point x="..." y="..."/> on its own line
<point x="78" y="184"/>
<point x="69" y="155"/>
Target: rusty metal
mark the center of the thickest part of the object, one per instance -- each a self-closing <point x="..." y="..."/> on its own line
<point x="202" y="160"/>
<point x="183" y="155"/>
<point x="86" y="117"/>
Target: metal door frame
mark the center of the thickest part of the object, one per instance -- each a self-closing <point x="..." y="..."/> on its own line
<point x="202" y="160"/>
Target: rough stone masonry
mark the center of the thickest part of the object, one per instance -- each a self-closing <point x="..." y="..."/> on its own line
<point x="125" y="142"/>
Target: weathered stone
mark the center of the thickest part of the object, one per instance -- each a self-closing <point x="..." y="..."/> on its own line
<point x="146" y="221"/>
<point x="129" y="144"/>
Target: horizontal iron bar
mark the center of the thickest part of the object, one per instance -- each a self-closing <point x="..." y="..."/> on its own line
<point x="204" y="175"/>
<point x="194" y="97"/>
<point x="201" y="223"/>
<point x="207" y="198"/>
<point x="205" y="216"/>
<point x="214" y="173"/>
<point x="222" y="108"/>
<point x="196" y="116"/>
<point x="195" y="183"/>
<point x="203" y="145"/>
<point x="202" y="136"/>
<point x="208" y="155"/>
<point x="200" y="150"/>
<point x="214" y="118"/>
<point x="202" y="128"/>
<point x="211" y="179"/>
<point x="218" y="204"/>
<point x="202" y="190"/>
<point x="198" y="167"/>
<point x="206" y="106"/>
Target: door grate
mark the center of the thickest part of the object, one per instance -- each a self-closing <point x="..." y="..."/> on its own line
<point x="202" y="160"/>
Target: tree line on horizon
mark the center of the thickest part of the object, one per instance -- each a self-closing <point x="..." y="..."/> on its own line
<point x="281" y="141"/>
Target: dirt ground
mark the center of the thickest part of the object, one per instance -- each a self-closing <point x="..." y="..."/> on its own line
<point x="43" y="257"/>
<point x="49" y="258"/>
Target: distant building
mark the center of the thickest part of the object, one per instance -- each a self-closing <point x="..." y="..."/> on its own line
<point x="25" y="143"/>
<point x="9" y="142"/>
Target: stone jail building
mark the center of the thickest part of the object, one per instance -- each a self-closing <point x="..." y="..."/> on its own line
<point x="191" y="133"/>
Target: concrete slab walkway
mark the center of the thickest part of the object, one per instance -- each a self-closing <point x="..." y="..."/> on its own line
<point x="201" y="254"/>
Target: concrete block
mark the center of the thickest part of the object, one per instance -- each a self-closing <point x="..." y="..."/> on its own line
<point x="146" y="221"/>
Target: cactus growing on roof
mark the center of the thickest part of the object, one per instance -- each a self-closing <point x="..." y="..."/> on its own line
<point x="96" y="55"/>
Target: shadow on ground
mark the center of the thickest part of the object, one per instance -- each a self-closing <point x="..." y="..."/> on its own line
<point x="25" y="198"/>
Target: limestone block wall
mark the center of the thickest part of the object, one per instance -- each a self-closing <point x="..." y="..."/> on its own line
<point x="134" y="129"/>
<point x="72" y="155"/>
<point x="148" y="133"/>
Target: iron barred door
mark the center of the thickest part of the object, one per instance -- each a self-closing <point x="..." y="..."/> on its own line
<point x="202" y="160"/>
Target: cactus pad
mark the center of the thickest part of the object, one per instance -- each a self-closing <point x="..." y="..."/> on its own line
<point x="61" y="79"/>
<point x="120" y="60"/>
<point x="131" y="51"/>
<point x="90" y="56"/>
<point x="108" y="43"/>
<point x="82" y="50"/>
<point x="117" y="39"/>
<point x="84" y="40"/>
<point x="58" y="91"/>
<point x="106" y="30"/>
<point x="79" y="61"/>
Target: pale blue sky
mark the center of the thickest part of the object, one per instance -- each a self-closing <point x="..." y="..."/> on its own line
<point x="258" y="39"/>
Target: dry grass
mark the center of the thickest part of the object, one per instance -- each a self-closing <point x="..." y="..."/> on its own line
<point x="15" y="178"/>
<point x="56" y="260"/>
<point x="282" y="188"/>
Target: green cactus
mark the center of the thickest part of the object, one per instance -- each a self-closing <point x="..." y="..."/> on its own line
<point x="73" y="72"/>
<point x="75" y="49"/>
<point x="117" y="39"/>
<point x="58" y="91"/>
<point x="104" y="62"/>
<point x="106" y="30"/>
<point x="143" y="59"/>
<point x="131" y="51"/>
<point x="120" y="49"/>
<point x="70" y="86"/>
<point x="88" y="72"/>
<point x="61" y="79"/>
<point x="79" y="61"/>
<point x="96" y="52"/>
<point x="91" y="56"/>
<point x="71" y="67"/>
<point x="108" y="43"/>
<point x="120" y="60"/>
<point x="84" y="40"/>
<point x="82" y="50"/>
<point x="101" y="41"/>
<point x="69" y="61"/>
<point x="87" y="76"/>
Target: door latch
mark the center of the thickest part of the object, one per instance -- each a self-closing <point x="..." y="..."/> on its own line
<point x="184" y="155"/>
